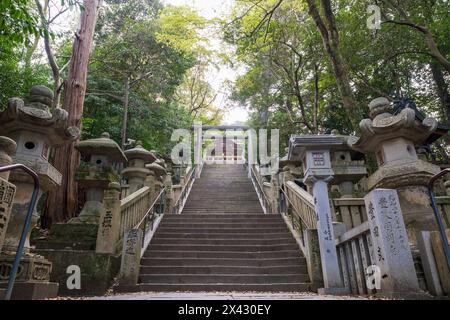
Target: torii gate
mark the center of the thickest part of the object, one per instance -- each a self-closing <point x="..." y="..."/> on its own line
<point x="220" y="151"/>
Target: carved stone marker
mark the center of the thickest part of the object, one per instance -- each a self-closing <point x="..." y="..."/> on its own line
<point x="7" y="190"/>
<point x="390" y="243"/>
<point x="131" y="257"/>
<point x="109" y="226"/>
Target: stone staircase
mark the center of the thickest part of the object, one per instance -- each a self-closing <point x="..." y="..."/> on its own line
<point x="222" y="242"/>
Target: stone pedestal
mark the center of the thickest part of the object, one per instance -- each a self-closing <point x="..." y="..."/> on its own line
<point x="390" y="242"/>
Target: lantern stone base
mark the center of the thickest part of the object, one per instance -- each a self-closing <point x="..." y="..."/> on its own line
<point x="32" y="279"/>
<point x="97" y="270"/>
<point x="31" y="290"/>
<point x="74" y="236"/>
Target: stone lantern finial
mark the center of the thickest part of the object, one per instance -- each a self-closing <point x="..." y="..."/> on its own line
<point x="379" y="106"/>
<point x="40" y="97"/>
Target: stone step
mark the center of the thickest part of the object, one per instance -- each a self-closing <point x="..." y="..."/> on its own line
<point x="255" y="262"/>
<point x="223" y="278"/>
<point x="154" y="253"/>
<point x="223" y="225"/>
<point x="229" y="287"/>
<point x="221" y="219"/>
<point x="221" y="248"/>
<point x="226" y="241"/>
<point x="201" y="230"/>
<point x="228" y="270"/>
<point x="206" y="236"/>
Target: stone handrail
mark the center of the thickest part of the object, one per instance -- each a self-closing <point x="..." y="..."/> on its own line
<point x="259" y="187"/>
<point x="350" y="211"/>
<point x="133" y="208"/>
<point x="185" y="190"/>
<point x="302" y="204"/>
<point x="355" y="254"/>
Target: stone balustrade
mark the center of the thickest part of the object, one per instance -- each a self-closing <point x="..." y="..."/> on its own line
<point x="133" y="208"/>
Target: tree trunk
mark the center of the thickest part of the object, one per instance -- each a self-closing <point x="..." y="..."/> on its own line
<point x="441" y="90"/>
<point x="62" y="203"/>
<point x="126" y="95"/>
<point x="330" y="37"/>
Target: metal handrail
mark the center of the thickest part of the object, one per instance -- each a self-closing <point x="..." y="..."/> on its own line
<point x="150" y="215"/>
<point x="184" y="190"/>
<point x="259" y="190"/>
<point x="26" y="227"/>
<point x="441" y="226"/>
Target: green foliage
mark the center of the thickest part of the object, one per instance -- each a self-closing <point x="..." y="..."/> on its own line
<point x="284" y="54"/>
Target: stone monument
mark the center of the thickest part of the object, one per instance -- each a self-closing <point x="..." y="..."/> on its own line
<point x="393" y="138"/>
<point x="390" y="242"/>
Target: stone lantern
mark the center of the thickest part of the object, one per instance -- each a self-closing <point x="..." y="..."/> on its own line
<point x="7" y="189"/>
<point x="97" y="174"/>
<point x="36" y="130"/>
<point x="136" y="172"/>
<point x="394" y="138"/>
<point x="154" y="179"/>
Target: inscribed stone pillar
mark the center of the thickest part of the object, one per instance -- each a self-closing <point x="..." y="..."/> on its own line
<point x="390" y="243"/>
<point x="131" y="257"/>
<point x="109" y="226"/>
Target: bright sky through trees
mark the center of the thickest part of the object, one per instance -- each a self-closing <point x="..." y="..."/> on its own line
<point x="211" y="9"/>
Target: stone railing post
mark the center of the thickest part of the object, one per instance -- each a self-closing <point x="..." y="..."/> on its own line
<point x="198" y="153"/>
<point x="109" y="224"/>
<point x="131" y="257"/>
<point x="7" y="189"/>
<point x="169" y="196"/>
<point x="390" y="241"/>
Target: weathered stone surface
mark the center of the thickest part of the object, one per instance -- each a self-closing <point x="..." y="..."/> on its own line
<point x="136" y="172"/>
<point x="428" y="263"/>
<point x="394" y="138"/>
<point x="96" y="175"/>
<point x="131" y="257"/>
<point x="390" y="241"/>
<point x="97" y="270"/>
<point x="109" y="227"/>
<point x="314" y="260"/>
<point x="441" y="260"/>
<point x="35" y="130"/>
<point x="7" y="189"/>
